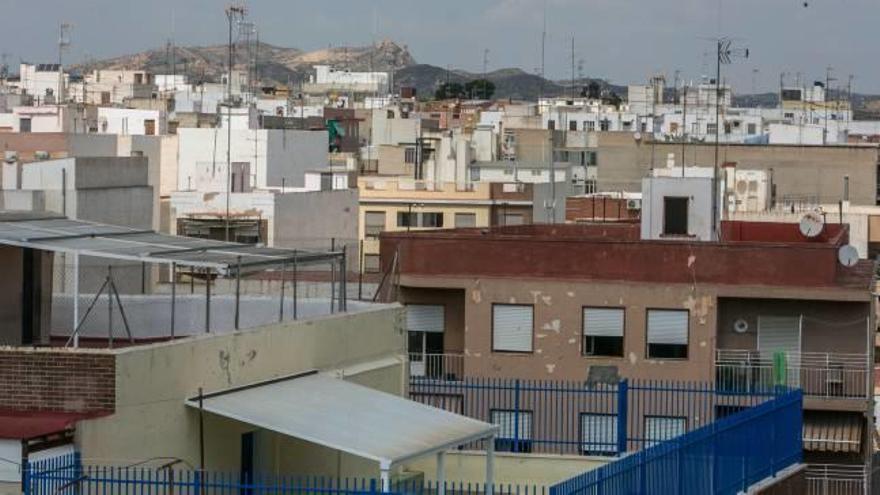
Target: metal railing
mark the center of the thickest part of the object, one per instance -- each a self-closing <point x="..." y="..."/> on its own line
<point x="583" y="418"/>
<point x="724" y="457"/>
<point x="818" y="374"/>
<point x="835" y="479"/>
<point x="436" y="366"/>
<point x="68" y="475"/>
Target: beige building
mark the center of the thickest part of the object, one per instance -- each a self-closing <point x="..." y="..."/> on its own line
<point x="396" y="204"/>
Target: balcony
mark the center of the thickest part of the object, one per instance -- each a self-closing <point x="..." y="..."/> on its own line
<point x="835" y="479"/>
<point x="448" y="367"/>
<point x="818" y="374"/>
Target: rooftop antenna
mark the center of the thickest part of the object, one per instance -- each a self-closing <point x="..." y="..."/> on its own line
<point x="543" y="48"/>
<point x="828" y="79"/>
<point x="4" y="67"/>
<point x="724" y="56"/>
<point x="485" y="62"/>
<point x="572" y="69"/>
<point x="233" y="12"/>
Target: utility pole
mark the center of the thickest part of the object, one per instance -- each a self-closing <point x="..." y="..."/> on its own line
<point x="572" y="68"/>
<point x="232" y="12"/>
<point x="63" y="44"/>
<point x="543" y="45"/>
<point x="825" y="101"/>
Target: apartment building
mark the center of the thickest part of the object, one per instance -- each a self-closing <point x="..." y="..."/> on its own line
<point x="765" y="305"/>
<point x="392" y="204"/>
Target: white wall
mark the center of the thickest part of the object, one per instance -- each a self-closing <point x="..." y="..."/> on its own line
<point x="129" y="121"/>
<point x="697" y="189"/>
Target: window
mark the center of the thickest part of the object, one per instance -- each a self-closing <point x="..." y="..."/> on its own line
<point x="668" y="333"/>
<point x="662" y="428"/>
<point x="572" y="125"/>
<point x="475" y="174"/>
<point x="371" y="263"/>
<point x="627" y="125"/>
<point x="604" y="125"/>
<point x="711" y="128"/>
<point x="727" y="128"/>
<point x="409" y="155"/>
<point x="560" y="156"/>
<point x="598" y="434"/>
<point x="551" y="124"/>
<point x="512" y="219"/>
<point x="424" y="325"/>
<point x="751" y="129"/>
<point x="603" y="331"/>
<point x="512" y="326"/>
<point x="465" y="220"/>
<point x="508" y="171"/>
<point x="24" y="125"/>
<point x="374" y="223"/>
<point x="407" y="219"/>
<point x="589" y="125"/>
<point x="515" y="430"/>
<point x="434" y="220"/>
<point x="675" y="215"/>
<point x="536" y="172"/>
<point x="673" y="127"/>
<point x="695" y="128"/>
<point x="389" y="114"/>
<point x="149" y="127"/>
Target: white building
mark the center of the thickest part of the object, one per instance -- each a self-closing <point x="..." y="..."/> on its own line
<point x="131" y="122"/>
<point x="49" y="118"/>
<point x="261" y="158"/>
<point x="114" y="87"/>
<point x="43" y="82"/>
<point x="328" y="78"/>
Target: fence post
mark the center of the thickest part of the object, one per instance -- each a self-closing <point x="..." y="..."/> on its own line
<point x="622" y="415"/>
<point x="25" y="476"/>
<point x="516" y="388"/>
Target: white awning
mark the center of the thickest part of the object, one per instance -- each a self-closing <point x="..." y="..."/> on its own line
<point x="345" y="416"/>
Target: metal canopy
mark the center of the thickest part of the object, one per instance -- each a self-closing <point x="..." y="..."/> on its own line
<point x="345" y="416"/>
<point x="59" y="234"/>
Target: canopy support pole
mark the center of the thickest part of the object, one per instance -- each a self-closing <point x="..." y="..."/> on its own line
<point x="173" y="294"/>
<point x="490" y="465"/>
<point x="385" y="476"/>
<point x="281" y="306"/>
<point x="441" y="473"/>
<point x="295" y="286"/>
<point x="207" y="301"/>
<point x="237" y="292"/>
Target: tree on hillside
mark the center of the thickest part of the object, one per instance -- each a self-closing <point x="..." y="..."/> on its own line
<point x="448" y="91"/>
<point x="480" y="89"/>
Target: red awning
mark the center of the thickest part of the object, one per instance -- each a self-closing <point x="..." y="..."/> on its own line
<point x="21" y="425"/>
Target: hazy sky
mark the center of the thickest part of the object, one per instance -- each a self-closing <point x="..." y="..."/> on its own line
<point x="622" y="40"/>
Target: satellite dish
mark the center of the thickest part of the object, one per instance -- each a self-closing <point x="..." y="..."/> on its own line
<point x="740" y="326"/>
<point x="637" y="136"/>
<point x="811" y="224"/>
<point x="848" y="255"/>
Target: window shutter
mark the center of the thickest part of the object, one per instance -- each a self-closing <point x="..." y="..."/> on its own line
<point x="779" y="333"/>
<point x="424" y="318"/>
<point x="512" y="328"/>
<point x="667" y="327"/>
<point x="599" y="432"/>
<point x="506" y="420"/>
<point x="603" y="322"/>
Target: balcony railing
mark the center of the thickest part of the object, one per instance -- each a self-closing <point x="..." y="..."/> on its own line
<point x="818" y="374"/>
<point x="835" y="479"/>
<point x="436" y="366"/>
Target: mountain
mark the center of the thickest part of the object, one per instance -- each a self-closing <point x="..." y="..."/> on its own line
<point x="275" y="64"/>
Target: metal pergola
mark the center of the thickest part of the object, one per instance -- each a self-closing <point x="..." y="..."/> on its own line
<point x="48" y="232"/>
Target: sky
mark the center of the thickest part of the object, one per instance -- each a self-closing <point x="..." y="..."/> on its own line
<point x="624" y="41"/>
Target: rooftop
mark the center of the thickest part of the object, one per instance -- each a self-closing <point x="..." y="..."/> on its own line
<point x="750" y="253"/>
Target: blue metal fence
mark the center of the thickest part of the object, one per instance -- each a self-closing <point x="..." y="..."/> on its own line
<point x="584" y="418"/>
<point x="66" y="475"/>
<point x="721" y="458"/>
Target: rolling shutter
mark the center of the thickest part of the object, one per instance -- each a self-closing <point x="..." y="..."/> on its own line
<point x="424" y="318"/>
<point x="661" y="428"/>
<point x="599" y="432"/>
<point x="507" y="421"/>
<point x="779" y="333"/>
<point x="603" y="322"/>
<point x="512" y="328"/>
<point x="667" y="326"/>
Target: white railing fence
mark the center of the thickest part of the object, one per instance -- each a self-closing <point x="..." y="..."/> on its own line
<point x="436" y="366"/>
<point x="835" y="479"/>
<point x="819" y="374"/>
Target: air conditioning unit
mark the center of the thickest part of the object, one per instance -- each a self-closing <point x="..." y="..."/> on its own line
<point x="634" y="204"/>
<point x="41" y="155"/>
<point x="10" y="157"/>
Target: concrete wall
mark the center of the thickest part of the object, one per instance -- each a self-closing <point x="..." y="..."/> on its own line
<point x="310" y="219"/>
<point x="291" y="153"/>
<point x="797" y="170"/>
<point x="521" y="469"/>
<point x="699" y="194"/>
<point x="152" y="383"/>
